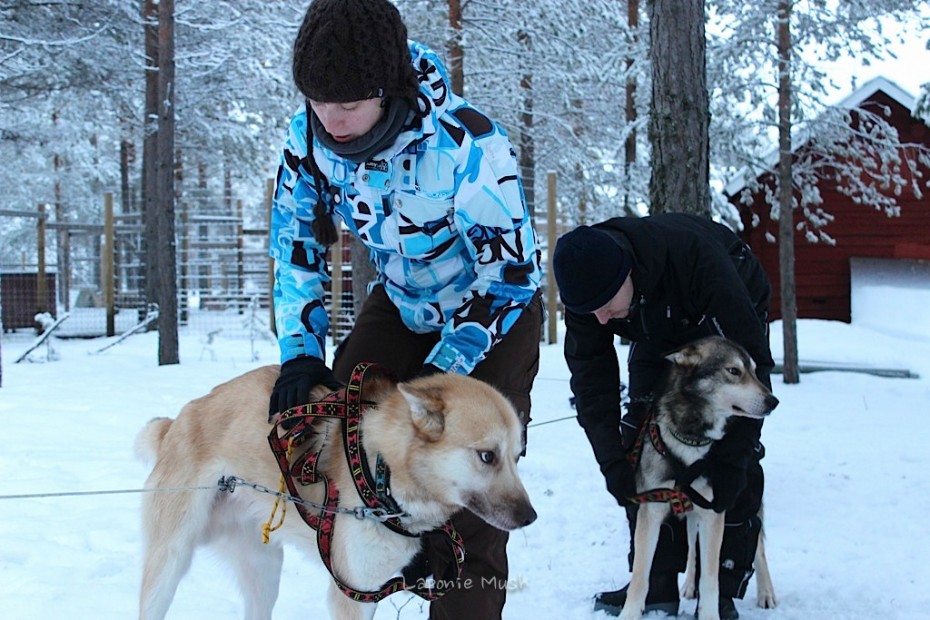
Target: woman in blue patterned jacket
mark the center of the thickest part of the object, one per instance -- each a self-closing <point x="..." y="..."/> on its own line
<point x="430" y="185"/>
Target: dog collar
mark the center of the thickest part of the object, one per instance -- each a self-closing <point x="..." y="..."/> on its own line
<point x="694" y="442"/>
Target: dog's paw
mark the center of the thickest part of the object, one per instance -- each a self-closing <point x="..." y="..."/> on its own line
<point x="766" y="599"/>
<point x="688" y="587"/>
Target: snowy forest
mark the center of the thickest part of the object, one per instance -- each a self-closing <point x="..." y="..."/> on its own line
<point x="90" y="105"/>
<point x="72" y="90"/>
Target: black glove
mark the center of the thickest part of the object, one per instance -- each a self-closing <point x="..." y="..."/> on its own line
<point x="621" y="481"/>
<point x="739" y="444"/>
<point x="729" y="458"/>
<point x="299" y="376"/>
<point x="728" y="482"/>
<point x="435" y="558"/>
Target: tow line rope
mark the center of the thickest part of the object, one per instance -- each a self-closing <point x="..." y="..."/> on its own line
<point x="111" y="492"/>
<point x="227" y="484"/>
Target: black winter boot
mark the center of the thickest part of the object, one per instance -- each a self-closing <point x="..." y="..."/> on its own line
<point x="728" y="609"/>
<point x="662" y="596"/>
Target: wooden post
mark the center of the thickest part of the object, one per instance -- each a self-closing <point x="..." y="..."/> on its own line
<point x="335" y="284"/>
<point x="184" y="279"/>
<point x="552" y="293"/>
<point x="269" y="197"/>
<point x="41" y="288"/>
<point x="240" y="259"/>
<point x="106" y="264"/>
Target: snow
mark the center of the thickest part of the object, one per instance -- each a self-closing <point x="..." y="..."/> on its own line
<point x="846" y="497"/>
<point x="878" y="283"/>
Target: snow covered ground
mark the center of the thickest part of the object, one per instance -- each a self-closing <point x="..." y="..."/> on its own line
<point x="847" y="492"/>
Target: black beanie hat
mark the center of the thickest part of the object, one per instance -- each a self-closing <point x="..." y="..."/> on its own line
<point x="590" y="267"/>
<point x="349" y="50"/>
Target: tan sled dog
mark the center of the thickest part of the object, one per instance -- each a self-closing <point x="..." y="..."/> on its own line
<point x="449" y="441"/>
<point x="709" y="381"/>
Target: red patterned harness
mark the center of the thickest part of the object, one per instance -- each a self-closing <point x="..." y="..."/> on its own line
<point x="294" y="427"/>
<point x="681" y="499"/>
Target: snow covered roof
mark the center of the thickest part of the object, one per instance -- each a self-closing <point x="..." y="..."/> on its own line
<point x="850" y="102"/>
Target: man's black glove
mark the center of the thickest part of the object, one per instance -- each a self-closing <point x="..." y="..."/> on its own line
<point x="621" y="481"/>
<point x="728" y="481"/>
<point x="729" y="458"/>
<point x="435" y="558"/>
<point x="299" y="376"/>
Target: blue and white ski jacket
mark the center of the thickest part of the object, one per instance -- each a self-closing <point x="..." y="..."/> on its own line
<point x="441" y="210"/>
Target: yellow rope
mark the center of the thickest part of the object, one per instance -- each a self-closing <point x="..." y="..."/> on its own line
<point x="267" y="527"/>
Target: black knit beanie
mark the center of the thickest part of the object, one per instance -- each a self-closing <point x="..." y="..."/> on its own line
<point x="590" y="267"/>
<point x="349" y="50"/>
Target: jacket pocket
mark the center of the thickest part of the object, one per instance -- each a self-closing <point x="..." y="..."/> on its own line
<point x="425" y="226"/>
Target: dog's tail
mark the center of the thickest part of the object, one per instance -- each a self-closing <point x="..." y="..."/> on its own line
<point x="149" y="439"/>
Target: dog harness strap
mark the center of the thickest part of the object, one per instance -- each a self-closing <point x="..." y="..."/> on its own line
<point x="696" y="497"/>
<point x="348" y="405"/>
<point x="679" y="501"/>
<point x="649" y="429"/>
<point x="324" y="536"/>
<point x="355" y="452"/>
<point x="307" y="474"/>
<point x="656" y="437"/>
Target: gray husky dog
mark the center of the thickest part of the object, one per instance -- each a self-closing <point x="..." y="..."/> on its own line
<point x="709" y="381"/>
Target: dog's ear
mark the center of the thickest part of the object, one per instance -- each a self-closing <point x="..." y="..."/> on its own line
<point x="378" y="386"/>
<point x="427" y="409"/>
<point x="685" y="356"/>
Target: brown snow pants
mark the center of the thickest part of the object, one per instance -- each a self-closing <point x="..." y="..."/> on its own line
<point x="380" y="336"/>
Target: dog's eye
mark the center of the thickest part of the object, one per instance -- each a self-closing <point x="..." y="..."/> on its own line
<point x="487" y="457"/>
<point x="733" y="370"/>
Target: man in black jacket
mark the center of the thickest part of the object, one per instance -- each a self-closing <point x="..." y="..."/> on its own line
<point x="661" y="282"/>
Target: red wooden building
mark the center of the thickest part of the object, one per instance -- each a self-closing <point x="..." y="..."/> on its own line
<point x="822" y="270"/>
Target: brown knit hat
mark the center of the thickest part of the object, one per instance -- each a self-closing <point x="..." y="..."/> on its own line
<point x="349" y="50"/>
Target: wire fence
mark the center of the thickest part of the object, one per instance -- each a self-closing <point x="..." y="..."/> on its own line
<point x="95" y="272"/>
